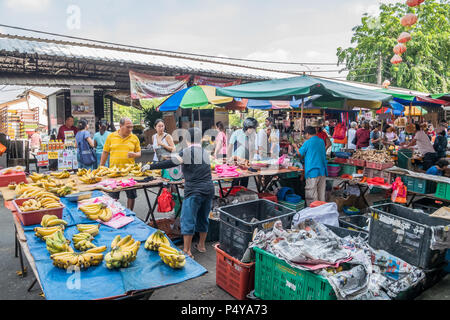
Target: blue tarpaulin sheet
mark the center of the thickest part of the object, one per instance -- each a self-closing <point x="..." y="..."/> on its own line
<point x="146" y="272"/>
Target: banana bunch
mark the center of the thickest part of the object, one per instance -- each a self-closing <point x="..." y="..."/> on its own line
<point x="37" y="177"/>
<point x="82" y="241"/>
<point x="97" y="211"/>
<point x="81" y="172"/>
<point x="35" y="205"/>
<point x="41" y="233"/>
<point x="62" y="191"/>
<point x="116" y="172"/>
<point x="47" y="200"/>
<point x="91" y="257"/>
<point x="61" y="175"/>
<point x="155" y="240"/>
<point x="12" y="186"/>
<point x="123" y="252"/>
<point x="90" y="178"/>
<point x="172" y="257"/>
<point x="22" y="187"/>
<point x="101" y="171"/>
<point x="57" y="243"/>
<point x="92" y="229"/>
<point x="52" y="221"/>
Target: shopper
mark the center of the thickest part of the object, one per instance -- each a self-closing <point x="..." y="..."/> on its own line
<point x="321" y="132"/>
<point x="351" y="136"/>
<point x="313" y="152"/>
<point x="362" y="137"/>
<point x="440" y="144"/>
<point x="220" y="151"/>
<point x="375" y="137"/>
<point x="162" y="142"/>
<point x="35" y="140"/>
<point x="424" y="146"/>
<point x="100" y="139"/>
<point x="85" y="147"/>
<point x="390" y="138"/>
<point x="67" y="127"/>
<point x="198" y="191"/>
<point x="439" y="168"/>
<point x="123" y="148"/>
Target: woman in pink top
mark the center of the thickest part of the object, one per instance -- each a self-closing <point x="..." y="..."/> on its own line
<point x="36" y="140"/>
<point x="221" y="142"/>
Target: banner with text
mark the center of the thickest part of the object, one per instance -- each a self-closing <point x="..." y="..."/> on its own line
<point x="205" y="81"/>
<point x="144" y="86"/>
<point x="82" y="99"/>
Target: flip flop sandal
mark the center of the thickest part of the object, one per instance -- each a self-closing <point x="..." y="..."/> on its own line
<point x="196" y="248"/>
<point x="190" y="255"/>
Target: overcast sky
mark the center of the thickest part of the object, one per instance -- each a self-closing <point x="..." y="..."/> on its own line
<point x="286" y="30"/>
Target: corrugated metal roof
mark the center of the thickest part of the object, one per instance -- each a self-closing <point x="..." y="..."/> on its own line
<point x="53" y="81"/>
<point x="44" y="47"/>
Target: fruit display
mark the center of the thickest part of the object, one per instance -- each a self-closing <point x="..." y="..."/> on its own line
<point x="12" y="186"/>
<point x="97" y="211"/>
<point x="91" y="257"/>
<point x="123" y="252"/>
<point x="89" y="178"/>
<point x="61" y="175"/>
<point x="59" y="188"/>
<point x="100" y="171"/>
<point x="36" y="205"/>
<point x="52" y="221"/>
<point x="155" y="240"/>
<point x="171" y="256"/>
<point x="57" y="243"/>
<point x="92" y="229"/>
<point x="37" y="177"/>
<point x="41" y="232"/>
<point x="82" y="241"/>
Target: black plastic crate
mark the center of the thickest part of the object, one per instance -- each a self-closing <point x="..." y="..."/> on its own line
<point x="213" y="231"/>
<point x="343" y="232"/>
<point x="405" y="233"/>
<point x="359" y="223"/>
<point x="236" y="226"/>
<point x="429" y="205"/>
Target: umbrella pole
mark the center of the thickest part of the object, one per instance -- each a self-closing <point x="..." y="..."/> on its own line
<point x="301" y="115"/>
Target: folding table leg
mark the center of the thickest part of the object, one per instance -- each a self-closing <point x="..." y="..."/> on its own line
<point x="32" y="285"/>
<point x="148" y="203"/>
<point x="24" y="272"/>
<point x="16" y="243"/>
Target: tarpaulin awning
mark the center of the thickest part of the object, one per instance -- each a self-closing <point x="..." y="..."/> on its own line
<point x="300" y="87"/>
<point x="416" y="100"/>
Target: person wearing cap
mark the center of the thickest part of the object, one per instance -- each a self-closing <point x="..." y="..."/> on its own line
<point x="313" y="152"/>
<point x="198" y="191"/>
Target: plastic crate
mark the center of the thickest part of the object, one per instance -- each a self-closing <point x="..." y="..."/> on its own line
<point x="236" y="228"/>
<point x="443" y="191"/>
<point x="233" y="276"/>
<point x="428" y="205"/>
<point x="447" y="258"/>
<point x="404" y="159"/>
<point x="424" y="186"/>
<point x="406" y="234"/>
<point x="378" y="165"/>
<point x="31" y="218"/>
<point x="343" y="232"/>
<point x="6" y="179"/>
<point x="213" y="230"/>
<point x="357" y="223"/>
<point x="296" y="207"/>
<point x="348" y="169"/>
<point x="409" y="182"/>
<point x="357" y="162"/>
<point x="277" y="280"/>
<point x="340" y="160"/>
<point x="268" y="196"/>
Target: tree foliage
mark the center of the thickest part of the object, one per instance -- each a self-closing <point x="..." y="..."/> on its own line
<point x="426" y="63"/>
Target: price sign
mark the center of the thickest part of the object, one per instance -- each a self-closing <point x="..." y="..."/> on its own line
<point x="53" y="155"/>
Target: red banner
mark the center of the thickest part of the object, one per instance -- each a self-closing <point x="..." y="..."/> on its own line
<point x="205" y="81"/>
<point x="144" y="86"/>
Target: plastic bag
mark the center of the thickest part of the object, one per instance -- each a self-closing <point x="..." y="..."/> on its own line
<point x="340" y="132"/>
<point x="327" y="214"/>
<point x="399" y="191"/>
<point x="165" y="201"/>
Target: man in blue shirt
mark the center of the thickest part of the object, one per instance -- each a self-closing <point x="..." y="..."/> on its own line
<point x="439" y="168"/>
<point x="313" y="151"/>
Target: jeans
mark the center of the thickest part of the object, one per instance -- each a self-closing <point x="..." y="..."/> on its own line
<point x="195" y="214"/>
<point x="131" y="194"/>
<point x="99" y="157"/>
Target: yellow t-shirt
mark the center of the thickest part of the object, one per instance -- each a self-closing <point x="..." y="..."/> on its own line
<point x="118" y="149"/>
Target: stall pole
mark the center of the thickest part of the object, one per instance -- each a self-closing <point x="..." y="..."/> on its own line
<point x="301" y="115"/>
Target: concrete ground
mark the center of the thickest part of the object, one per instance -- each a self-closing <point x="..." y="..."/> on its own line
<point x="14" y="287"/>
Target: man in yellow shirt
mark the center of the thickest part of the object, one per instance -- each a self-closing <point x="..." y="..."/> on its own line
<point x="122" y="147"/>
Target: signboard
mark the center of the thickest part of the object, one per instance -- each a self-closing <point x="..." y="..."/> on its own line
<point x="53" y="155"/>
<point x="42" y="159"/>
<point x="82" y="99"/>
<point x="144" y="86"/>
<point x="205" y="81"/>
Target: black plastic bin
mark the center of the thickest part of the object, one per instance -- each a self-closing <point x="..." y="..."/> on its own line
<point x="236" y="228"/>
<point x="406" y="234"/>
<point x="213" y="231"/>
<point x="429" y="205"/>
<point x="342" y="232"/>
<point x="360" y="223"/>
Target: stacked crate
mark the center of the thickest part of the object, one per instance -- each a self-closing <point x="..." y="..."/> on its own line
<point x="30" y="120"/>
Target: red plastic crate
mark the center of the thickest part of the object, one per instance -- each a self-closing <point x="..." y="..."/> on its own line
<point x="233" y="276"/>
<point x="6" y="179"/>
<point x="378" y="166"/>
<point x="31" y="218"/>
<point x="340" y="160"/>
<point x="268" y="196"/>
<point x="233" y="191"/>
<point x="358" y="162"/>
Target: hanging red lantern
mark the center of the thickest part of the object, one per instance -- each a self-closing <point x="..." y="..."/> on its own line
<point x="408" y="20"/>
<point x="420" y="1"/>
<point x="396" y="59"/>
<point x="386" y="84"/>
<point x="399" y="49"/>
<point x="413" y="3"/>
<point x="404" y="37"/>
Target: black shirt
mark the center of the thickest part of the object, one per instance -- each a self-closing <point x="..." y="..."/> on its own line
<point x="196" y="169"/>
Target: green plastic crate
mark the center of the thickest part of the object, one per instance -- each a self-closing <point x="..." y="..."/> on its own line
<point x="424" y="186"/>
<point x="409" y="183"/>
<point x="297" y="207"/>
<point x="276" y="280"/>
<point x="290" y="175"/>
<point x="443" y="191"/>
<point x="404" y="159"/>
<point x="348" y="169"/>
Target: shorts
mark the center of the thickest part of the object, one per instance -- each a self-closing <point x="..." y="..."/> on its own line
<point x="195" y="214"/>
<point x="131" y="194"/>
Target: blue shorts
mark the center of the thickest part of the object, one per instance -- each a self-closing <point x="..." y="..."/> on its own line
<point x="195" y="214"/>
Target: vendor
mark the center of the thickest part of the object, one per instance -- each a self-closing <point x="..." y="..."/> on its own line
<point x="67" y="127"/>
<point x="313" y="151"/>
<point x="390" y="137"/>
<point x="198" y="191"/>
<point x="439" y="168"/>
<point x="351" y="135"/>
<point x="122" y="147"/>
<point x="424" y="146"/>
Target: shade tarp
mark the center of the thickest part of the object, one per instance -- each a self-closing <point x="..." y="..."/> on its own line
<point x="299" y="87"/>
<point x="417" y="100"/>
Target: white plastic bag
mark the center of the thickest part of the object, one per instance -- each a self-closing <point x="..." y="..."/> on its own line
<point x="327" y="214"/>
